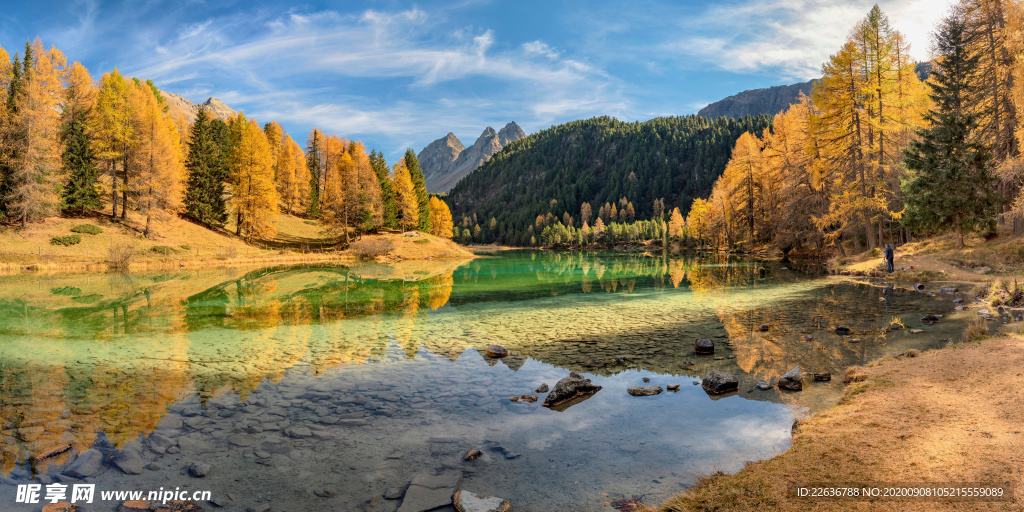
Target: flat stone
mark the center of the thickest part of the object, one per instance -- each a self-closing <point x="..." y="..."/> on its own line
<point x="427" y="491"/>
<point x="394" y="493"/>
<point x="129" y="461"/>
<point x="161" y="442"/>
<point x="325" y="492"/>
<point x="192" y="445"/>
<point x="88" y="464"/>
<point x="355" y="422"/>
<point x="764" y="386"/>
<point x="243" y="440"/>
<point x="298" y="432"/>
<point x="650" y="390"/>
<point x="466" y="501"/>
<point x="916" y="331"/>
<point x="199" y="469"/>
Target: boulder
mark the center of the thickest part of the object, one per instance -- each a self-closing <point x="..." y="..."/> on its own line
<point x="842" y="330"/>
<point x="466" y="501"/>
<point x="672" y="387"/>
<point x="765" y="327"/>
<point x="717" y="382"/>
<point x="792" y="380"/>
<point x="822" y="377"/>
<point x="496" y="351"/>
<point x="704" y="346"/>
<point x="652" y="389"/>
<point x="543" y="388"/>
<point x="88" y="464"/>
<point x="569" y="388"/>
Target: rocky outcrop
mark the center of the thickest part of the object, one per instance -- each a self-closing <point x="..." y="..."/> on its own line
<point x="181" y="107"/>
<point x="570" y="388"/>
<point x="446" y="160"/>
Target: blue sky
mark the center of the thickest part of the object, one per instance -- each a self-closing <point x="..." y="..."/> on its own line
<point x="399" y="74"/>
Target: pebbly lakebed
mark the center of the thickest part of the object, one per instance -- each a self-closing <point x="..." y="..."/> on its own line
<point x="348" y="388"/>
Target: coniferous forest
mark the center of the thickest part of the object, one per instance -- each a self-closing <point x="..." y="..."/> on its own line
<point x="550" y="174"/>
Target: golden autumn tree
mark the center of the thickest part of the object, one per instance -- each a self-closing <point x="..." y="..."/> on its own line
<point x="440" y="218"/>
<point x="33" y="134"/>
<point x="254" y="197"/>
<point x="408" y="207"/>
<point x="112" y="128"/>
<point x="746" y="174"/>
<point x="292" y="183"/>
<point x="698" y="219"/>
<point x="275" y="138"/>
<point x="157" y="157"/>
<point x="676" y="224"/>
<point x="368" y="195"/>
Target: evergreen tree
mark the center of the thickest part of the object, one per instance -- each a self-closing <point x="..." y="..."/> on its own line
<point x="313" y="158"/>
<point x="14" y="92"/>
<point x="204" y="193"/>
<point x="953" y="185"/>
<point x="387" y="189"/>
<point x="81" y="192"/>
<point x="420" y="186"/>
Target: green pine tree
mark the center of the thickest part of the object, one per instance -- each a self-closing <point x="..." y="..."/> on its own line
<point x="204" y="191"/>
<point x="952" y="186"/>
<point x="81" y="192"/>
<point x="387" y="189"/>
<point x="14" y="89"/>
<point x="419" y="185"/>
<point x="313" y="159"/>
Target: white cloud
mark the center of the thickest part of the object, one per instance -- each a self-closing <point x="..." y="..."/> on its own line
<point x="796" y="36"/>
<point x="541" y="48"/>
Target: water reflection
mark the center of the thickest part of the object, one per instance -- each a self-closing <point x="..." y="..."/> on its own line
<point x="89" y="357"/>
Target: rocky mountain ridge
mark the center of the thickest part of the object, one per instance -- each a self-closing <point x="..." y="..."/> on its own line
<point x="181" y="107"/>
<point x="447" y="160"/>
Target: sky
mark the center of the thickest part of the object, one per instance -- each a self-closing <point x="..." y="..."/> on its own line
<point x="398" y="74"/>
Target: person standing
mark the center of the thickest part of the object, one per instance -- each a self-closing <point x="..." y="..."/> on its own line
<point x="889" y="255"/>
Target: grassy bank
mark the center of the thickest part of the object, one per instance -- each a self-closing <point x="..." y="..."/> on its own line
<point x="179" y="243"/>
<point x="951" y="415"/>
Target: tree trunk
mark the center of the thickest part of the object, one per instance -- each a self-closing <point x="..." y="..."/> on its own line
<point x="113" y="189"/>
<point x="124" y="191"/>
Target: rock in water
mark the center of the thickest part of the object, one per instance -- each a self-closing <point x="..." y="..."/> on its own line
<point x="199" y="469"/>
<point x="822" y="377"/>
<point x="718" y="382"/>
<point x="672" y="387"/>
<point x="764" y="386"/>
<point x="428" y="491"/>
<point x="529" y="397"/>
<point x="704" y="346"/>
<point x="653" y="389"/>
<point x="60" y="506"/>
<point x="793" y="380"/>
<point x="129" y="461"/>
<point x="542" y="389"/>
<point x="466" y="501"/>
<point x="496" y="351"/>
<point x="929" y="319"/>
<point x="473" y="455"/>
<point x="88" y="464"/>
<point x="569" y="388"/>
<point x="842" y="330"/>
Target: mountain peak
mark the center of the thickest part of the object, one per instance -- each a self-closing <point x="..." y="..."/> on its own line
<point x="446" y="160"/>
<point x="182" y="107"/>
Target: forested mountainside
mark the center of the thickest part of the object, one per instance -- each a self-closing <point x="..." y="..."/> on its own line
<point x="599" y="160"/>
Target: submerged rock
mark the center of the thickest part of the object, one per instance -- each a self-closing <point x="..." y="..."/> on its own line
<point x="129" y="461"/>
<point x="60" y="506"/>
<point x="704" y="346"/>
<point x="428" y="491"/>
<point x="717" y="382"/>
<point x="652" y="389"/>
<point x="569" y="388"/>
<point x="496" y="351"/>
<point x="199" y="470"/>
<point x="792" y="380"/>
<point x="466" y="501"/>
<point x="88" y="464"/>
<point x="949" y="291"/>
<point x="842" y="330"/>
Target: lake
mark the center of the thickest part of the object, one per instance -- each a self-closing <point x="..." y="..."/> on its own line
<point x="334" y="387"/>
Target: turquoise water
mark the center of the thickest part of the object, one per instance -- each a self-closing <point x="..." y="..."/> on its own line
<point x="329" y="386"/>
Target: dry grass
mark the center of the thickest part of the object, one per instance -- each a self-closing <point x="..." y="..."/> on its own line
<point x="977" y="328"/>
<point x="120" y="255"/>
<point x="926" y="419"/>
<point x="372" y="248"/>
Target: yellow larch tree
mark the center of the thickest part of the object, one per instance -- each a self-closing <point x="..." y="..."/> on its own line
<point x="254" y="197"/>
<point x="290" y="164"/>
<point x="157" y="158"/>
<point x="408" y="206"/>
<point x="112" y="127"/>
<point x="35" y="166"/>
<point x="440" y="218"/>
<point x="698" y="219"/>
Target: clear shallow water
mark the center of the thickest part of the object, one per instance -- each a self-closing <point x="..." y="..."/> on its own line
<point x="295" y="380"/>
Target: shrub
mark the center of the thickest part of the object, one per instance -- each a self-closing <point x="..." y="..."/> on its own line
<point x="186" y="247"/>
<point x="422" y="241"/>
<point x="66" y="240"/>
<point x="70" y="291"/>
<point x="162" y="249"/>
<point x="120" y="255"/>
<point x="88" y="229"/>
<point x="369" y="249"/>
<point x="310" y="222"/>
<point x="977" y="328"/>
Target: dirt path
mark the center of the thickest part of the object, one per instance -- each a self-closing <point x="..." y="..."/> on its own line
<point x="953" y="415"/>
